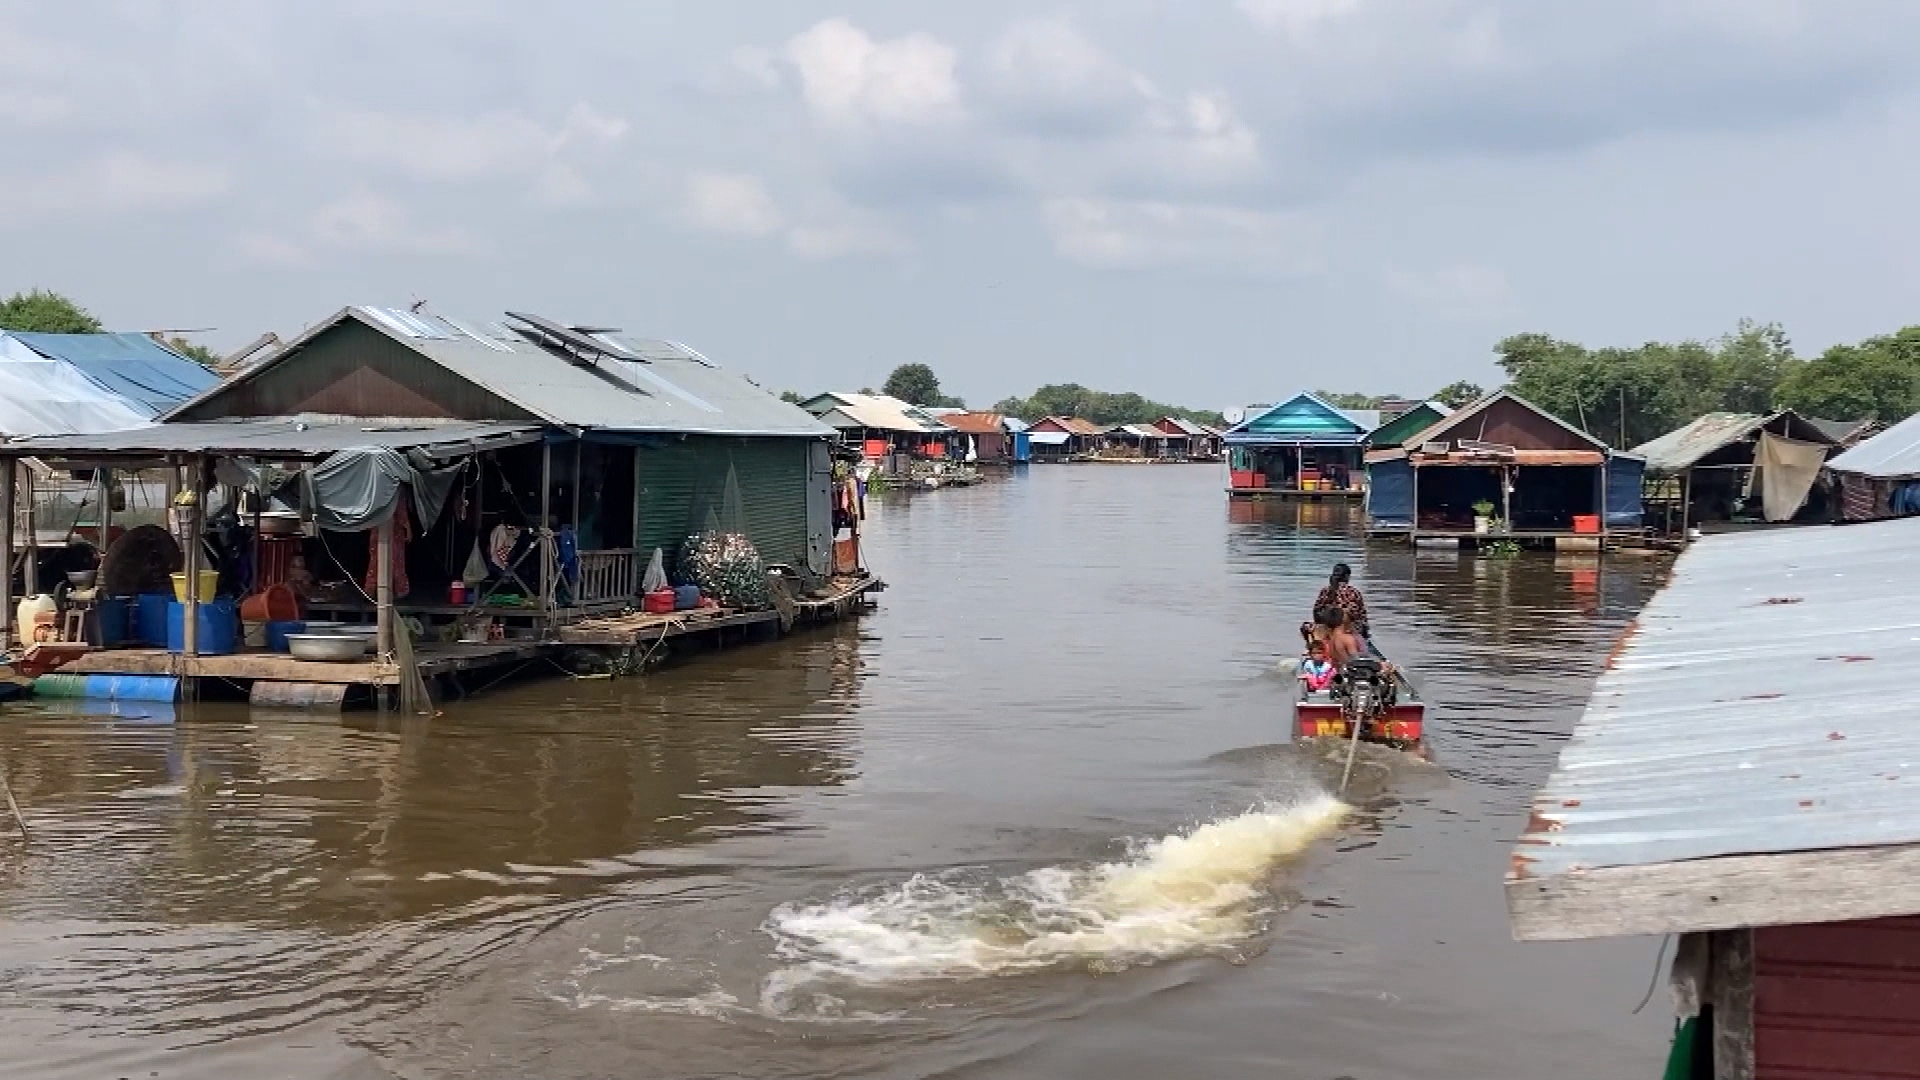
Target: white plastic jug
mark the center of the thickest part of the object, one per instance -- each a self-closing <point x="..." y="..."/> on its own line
<point x="33" y="613"/>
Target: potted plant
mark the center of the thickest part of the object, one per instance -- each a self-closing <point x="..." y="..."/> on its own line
<point x="1482" y="517"/>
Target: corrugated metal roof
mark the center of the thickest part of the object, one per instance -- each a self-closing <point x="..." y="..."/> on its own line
<point x="974" y="423"/>
<point x="1469" y="411"/>
<point x="292" y="436"/>
<point x="1762" y="703"/>
<point x="663" y="387"/>
<point x="880" y="412"/>
<point x="1014" y="423"/>
<point x="1187" y="427"/>
<point x="1138" y="431"/>
<point x="133" y="366"/>
<point x="1839" y="430"/>
<point x="1048" y="438"/>
<point x="1893" y="452"/>
<point x="1680" y="448"/>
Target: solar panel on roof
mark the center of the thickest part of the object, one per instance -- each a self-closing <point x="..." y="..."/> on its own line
<point x="536" y="328"/>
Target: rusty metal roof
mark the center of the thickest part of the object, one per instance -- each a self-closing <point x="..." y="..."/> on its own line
<point x="973" y="423"/>
<point x="1763" y="703"/>
<point x="1678" y="450"/>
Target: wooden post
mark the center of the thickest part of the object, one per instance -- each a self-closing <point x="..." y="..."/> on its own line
<point x="1299" y="466"/>
<point x="30" y="576"/>
<point x="6" y="544"/>
<point x="544" y="535"/>
<point x="190" y="624"/>
<point x="1732" y="965"/>
<point x="640" y="558"/>
<point x="1414" y="467"/>
<point x="1506" y="496"/>
<point x="104" y="477"/>
<point x="579" y="450"/>
<point x="1686" y="504"/>
<point x="383" y="589"/>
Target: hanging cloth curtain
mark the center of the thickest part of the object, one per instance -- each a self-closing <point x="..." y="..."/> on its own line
<point x="1788" y="468"/>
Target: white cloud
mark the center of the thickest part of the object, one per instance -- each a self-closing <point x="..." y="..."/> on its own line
<point x="115" y="183"/>
<point x="759" y="65"/>
<point x="734" y="203"/>
<point x="365" y="221"/>
<point x="848" y="78"/>
<point x="1045" y="71"/>
<point x="1298" y="19"/>
<point x="268" y="249"/>
<point x="845" y="239"/>
<point x="464" y="147"/>
<point x="1136" y="234"/>
<point x="1461" y="291"/>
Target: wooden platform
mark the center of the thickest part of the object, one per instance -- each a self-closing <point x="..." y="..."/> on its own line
<point x="1303" y="494"/>
<point x="840" y="597"/>
<point x="638" y="627"/>
<point x="436" y="658"/>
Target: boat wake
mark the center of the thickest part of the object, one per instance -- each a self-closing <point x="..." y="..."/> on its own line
<point x="1203" y="890"/>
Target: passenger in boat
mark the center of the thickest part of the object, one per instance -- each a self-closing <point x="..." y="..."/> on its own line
<point x="1316" y="671"/>
<point x="1340" y="593"/>
<point x="1330" y="624"/>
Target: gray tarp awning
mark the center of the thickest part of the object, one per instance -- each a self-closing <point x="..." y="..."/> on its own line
<point x="355" y="490"/>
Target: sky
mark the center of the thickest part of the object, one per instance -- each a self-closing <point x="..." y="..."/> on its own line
<point x="1211" y="202"/>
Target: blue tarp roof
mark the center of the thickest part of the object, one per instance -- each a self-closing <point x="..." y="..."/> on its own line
<point x="148" y="375"/>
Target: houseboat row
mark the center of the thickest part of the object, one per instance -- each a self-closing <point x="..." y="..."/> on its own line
<point x="457" y="494"/>
<point x="895" y="435"/>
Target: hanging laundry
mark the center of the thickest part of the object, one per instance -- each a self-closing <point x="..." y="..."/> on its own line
<point x="500" y="546"/>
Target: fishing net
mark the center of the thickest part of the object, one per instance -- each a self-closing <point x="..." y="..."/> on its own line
<point x="720" y="558"/>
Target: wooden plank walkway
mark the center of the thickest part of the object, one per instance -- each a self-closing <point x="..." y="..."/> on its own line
<point x="435" y="658"/>
<point x="636" y="627"/>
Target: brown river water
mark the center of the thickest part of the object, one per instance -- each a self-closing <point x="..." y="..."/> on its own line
<point x="1038" y="816"/>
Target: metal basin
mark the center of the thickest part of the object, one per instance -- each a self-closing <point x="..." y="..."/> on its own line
<point x="336" y="648"/>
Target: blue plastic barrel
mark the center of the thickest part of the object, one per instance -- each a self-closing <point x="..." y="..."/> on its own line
<point x="115" y="615"/>
<point x="219" y="628"/>
<point x="686" y="597"/>
<point x="107" y="687"/>
<point x="150" y="619"/>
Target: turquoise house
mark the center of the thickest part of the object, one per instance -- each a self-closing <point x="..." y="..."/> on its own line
<point x="1302" y="446"/>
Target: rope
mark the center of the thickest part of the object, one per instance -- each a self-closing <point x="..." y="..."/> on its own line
<point x="1654" y="983"/>
<point x="25" y="837"/>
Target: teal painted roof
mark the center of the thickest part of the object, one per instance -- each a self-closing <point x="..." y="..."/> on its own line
<point x="1398" y="430"/>
<point x="1303" y="419"/>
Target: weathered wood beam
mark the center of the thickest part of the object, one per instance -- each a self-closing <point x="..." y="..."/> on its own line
<point x="1717" y="894"/>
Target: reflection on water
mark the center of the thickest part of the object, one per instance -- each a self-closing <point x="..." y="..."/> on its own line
<point x="986" y="832"/>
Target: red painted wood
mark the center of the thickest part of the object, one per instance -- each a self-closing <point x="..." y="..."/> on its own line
<point x="1838" y="1001"/>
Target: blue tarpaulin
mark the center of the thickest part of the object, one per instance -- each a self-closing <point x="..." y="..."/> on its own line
<point x="1623" y="491"/>
<point x="140" y="370"/>
<point x="1390" y="494"/>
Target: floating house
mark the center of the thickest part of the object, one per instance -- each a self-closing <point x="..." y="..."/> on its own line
<point x="1064" y="438"/>
<point x="1404" y="423"/>
<point x="1740" y="780"/>
<point x="1020" y="446"/>
<point x="1302" y="447"/>
<point x="1502" y="467"/>
<point x="1880" y="478"/>
<point x="1727" y="465"/>
<point x="881" y="426"/>
<point x="980" y="437"/>
<point x="548" y="461"/>
<point x="1194" y="442"/>
<point x="1137" y="442"/>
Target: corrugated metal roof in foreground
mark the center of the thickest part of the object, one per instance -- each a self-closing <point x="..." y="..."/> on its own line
<point x="1893" y="452"/>
<point x="1681" y="447"/>
<point x="280" y="436"/>
<point x="1765" y="703"/>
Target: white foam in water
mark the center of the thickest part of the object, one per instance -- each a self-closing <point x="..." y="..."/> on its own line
<point x="1186" y="893"/>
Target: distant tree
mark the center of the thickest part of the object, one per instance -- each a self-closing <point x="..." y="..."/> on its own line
<point x="915" y="384"/>
<point x="1072" y="399"/>
<point x="43" y="312"/>
<point x="199" y="354"/>
<point x="1877" y="379"/>
<point x="1456" y="395"/>
<point x="790" y="397"/>
<point x="1353" y="401"/>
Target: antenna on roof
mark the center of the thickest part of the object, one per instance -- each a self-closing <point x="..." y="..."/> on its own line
<point x="417" y="305"/>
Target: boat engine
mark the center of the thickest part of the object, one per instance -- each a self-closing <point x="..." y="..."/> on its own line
<point x="1364" y="690"/>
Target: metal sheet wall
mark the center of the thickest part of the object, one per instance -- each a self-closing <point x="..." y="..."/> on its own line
<point x="1390" y="494"/>
<point x="1837" y="1001"/>
<point x="1623" y="492"/>
<point x="682" y="481"/>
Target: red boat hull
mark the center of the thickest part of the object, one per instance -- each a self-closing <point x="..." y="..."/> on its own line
<point x="1406" y="725"/>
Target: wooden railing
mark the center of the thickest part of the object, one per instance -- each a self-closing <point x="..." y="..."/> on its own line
<point x="608" y="574"/>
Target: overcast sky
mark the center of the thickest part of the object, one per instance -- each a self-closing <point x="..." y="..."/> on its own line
<point x="1208" y="201"/>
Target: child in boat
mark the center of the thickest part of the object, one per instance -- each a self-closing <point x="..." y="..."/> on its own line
<point x="1316" y="671"/>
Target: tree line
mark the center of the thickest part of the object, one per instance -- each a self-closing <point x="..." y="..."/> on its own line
<point x="38" y="311"/>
